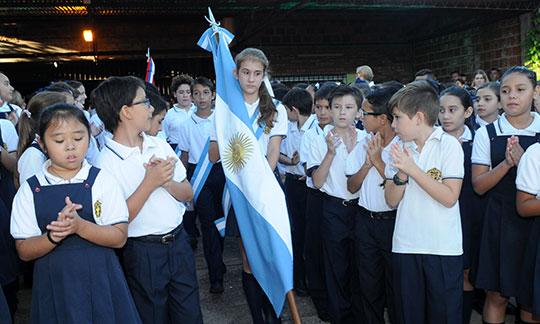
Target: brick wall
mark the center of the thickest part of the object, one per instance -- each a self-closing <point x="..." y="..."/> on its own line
<point x="494" y="45"/>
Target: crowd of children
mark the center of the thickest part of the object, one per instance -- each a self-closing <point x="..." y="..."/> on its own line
<point x="405" y="200"/>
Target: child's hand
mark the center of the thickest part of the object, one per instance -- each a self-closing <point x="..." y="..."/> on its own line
<point x="295" y="158"/>
<point x="67" y="223"/>
<point x="159" y="171"/>
<point x="332" y="142"/>
<point x="350" y="140"/>
<point x="374" y="149"/>
<point x="507" y="154"/>
<point x="402" y="159"/>
<point x="516" y="151"/>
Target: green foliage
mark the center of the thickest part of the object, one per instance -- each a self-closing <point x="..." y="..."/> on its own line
<point x="533" y="44"/>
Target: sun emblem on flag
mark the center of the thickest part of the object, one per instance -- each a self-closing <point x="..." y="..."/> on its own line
<point x="237" y="152"/>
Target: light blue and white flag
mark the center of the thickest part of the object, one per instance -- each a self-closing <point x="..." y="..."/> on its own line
<point x="258" y="201"/>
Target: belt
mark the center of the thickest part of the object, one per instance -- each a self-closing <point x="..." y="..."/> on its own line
<point x="385" y="215"/>
<point x="344" y="202"/>
<point x="160" y="238"/>
<point x="294" y="176"/>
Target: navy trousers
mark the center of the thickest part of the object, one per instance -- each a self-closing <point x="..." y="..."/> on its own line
<point x="296" y="194"/>
<point x="313" y="252"/>
<point x="373" y="242"/>
<point x="163" y="281"/>
<point x="337" y="228"/>
<point x="428" y="288"/>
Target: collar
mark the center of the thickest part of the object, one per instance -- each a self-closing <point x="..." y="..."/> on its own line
<point x="197" y="120"/>
<point x="310" y="123"/>
<point x="437" y="134"/>
<point x="5" y="107"/>
<point x="53" y="179"/>
<point x="480" y="121"/>
<point x="466" y="136"/>
<point x="360" y="134"/>
<point x="123" y="152"/>
<point x="532" y="128"/>
<point x="180" y="109"/>
<point x="253" y="105"/>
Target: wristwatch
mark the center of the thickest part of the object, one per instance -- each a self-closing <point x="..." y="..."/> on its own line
<point x="398" y="181"/>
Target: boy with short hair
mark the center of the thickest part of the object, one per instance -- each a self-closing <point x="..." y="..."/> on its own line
<point x="158" y="262"/>
<point x="299" y="103"/>
<point x="195" y="147"/>
<point x="424" y="181"/>
<point x="314" y="263"/>
<point x="327" y="164"/>
<point x="181" y="110"/>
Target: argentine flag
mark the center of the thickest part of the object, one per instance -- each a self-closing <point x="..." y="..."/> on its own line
<point x="258" y="201"/>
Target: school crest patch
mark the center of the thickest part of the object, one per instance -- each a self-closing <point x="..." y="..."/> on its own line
<point x="5" y="146"/>
<point x="267" y="130"/>
<point x="97" y="208"/>
<point x="435" y="174"/>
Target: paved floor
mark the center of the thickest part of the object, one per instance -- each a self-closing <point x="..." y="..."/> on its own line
<point x="230" y="307"/>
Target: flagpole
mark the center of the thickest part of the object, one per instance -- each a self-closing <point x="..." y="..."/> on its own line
<point x="290" y="295"/>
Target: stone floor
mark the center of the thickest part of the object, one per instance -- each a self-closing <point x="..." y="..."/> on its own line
<point x="228" y="308"/>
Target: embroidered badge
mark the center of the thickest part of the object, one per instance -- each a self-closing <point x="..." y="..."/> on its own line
<point x="5" y="146"/>
<point x="97" y="208"/>
<point x="435" y="174"/>
<point x="267" y="130"/>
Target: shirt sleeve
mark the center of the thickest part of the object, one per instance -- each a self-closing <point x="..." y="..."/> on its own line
<point x="481" y="151"/>
<point x="23" y="216"/>
<point x="452" y="167"/>
<point x="355" y="159"/>
<point x="109" y="203"/>
<point x="281" y="122"/>
<point x="528" y="173"/>
<point x="9" y="135"/>
<point x="304" y="148"/>
<point x="317" y="152"/>
<point x="30" y="163"/>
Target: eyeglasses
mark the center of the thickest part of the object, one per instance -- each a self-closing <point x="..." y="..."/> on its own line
<point x="145" y="102"/>
<point x="364" y="113"/>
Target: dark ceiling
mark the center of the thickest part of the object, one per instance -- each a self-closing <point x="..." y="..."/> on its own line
<point x="33" y="8"/>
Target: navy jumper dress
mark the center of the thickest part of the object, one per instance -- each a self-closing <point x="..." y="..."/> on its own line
<point x="78" y="281"/>
<point x="505" y="233"/>
<point x="472" y="210"/>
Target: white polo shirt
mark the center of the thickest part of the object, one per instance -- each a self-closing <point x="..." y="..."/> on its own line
<point x="528" y="173"/>
<point x="105" y="190"/>
<point x="423" y="225"/>
<point x="466" y="136"/>
<point x="173" y="120"/>
<point x="310" y="136"/>
<point x="279" y="128"/>
<point x="291" y="144"/>
<point x="336" y="182"/>
<point x="9" y="135"/>
<point x="161" y="212"/>
<point x="5" y="108"/>
<point x="481" y="152"/>
<point x="193" y="135"/>
<point x="30" y="162"/>
<point x="371" y="193"/>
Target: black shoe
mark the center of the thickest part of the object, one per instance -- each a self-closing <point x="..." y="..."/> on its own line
<point x="217" y="288"/>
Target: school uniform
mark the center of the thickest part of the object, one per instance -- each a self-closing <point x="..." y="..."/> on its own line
<point x="528" y="181"/>
<point x="100" y="138"/>
<point x="173" y="120"/>
<point x="158" y="261"/>
<point x="8" y="255"/>
<point x="504" y="233"/>
<point x="78" y="281"/>
<point x="296" y="195"/>
<point x="313" y="251"/>
<point x="427" y="241"/>
<point x="373" y="231"/>
<point x="8" y="108"/>
<point x="194" y="134"/>
<point x="337" y="227"/>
